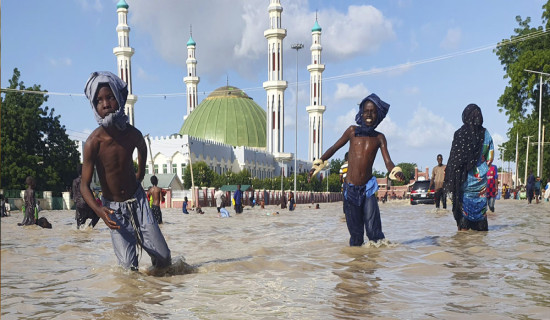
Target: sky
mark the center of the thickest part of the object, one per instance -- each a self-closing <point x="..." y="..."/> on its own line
<point x="428" y="59"/>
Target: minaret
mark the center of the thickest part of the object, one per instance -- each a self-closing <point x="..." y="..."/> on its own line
<point x="315" y="108"/>
<point x="275" y="85"/>
<point x="123" y="53"/>
<point x="191" y="80"/>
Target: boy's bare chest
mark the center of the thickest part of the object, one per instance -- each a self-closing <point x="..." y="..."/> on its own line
<point x="364" y="144"/>
<point x="115" y="150"/>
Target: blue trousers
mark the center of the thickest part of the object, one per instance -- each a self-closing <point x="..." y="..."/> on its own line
<point x="362" y="215"/>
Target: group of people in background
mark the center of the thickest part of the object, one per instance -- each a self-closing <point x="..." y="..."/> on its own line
<point x="469" y="177"/>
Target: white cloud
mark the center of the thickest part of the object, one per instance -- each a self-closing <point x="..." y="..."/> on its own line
<point x="344" y="91"/>
<point x="498" y="140"/>
<point x="94" y="5"/>
<point x="426" y="129"/>
<point x="229" y="35"/>
<point x="452" y="39"/>
<point x="344" y="121"/>
<point x="414" y="90"/>
<point x="142" y="74"/>
<point x="360" y="31"/>
<point x="61" y="62"/>
<point x="390" y="129"/>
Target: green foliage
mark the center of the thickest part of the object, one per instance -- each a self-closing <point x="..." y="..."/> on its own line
<point x="379" y="174"/>
<point x="527" y="49"/>
<point x="34" y="142"/>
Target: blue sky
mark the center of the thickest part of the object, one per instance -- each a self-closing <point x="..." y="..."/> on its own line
<point x="427" y="59"/>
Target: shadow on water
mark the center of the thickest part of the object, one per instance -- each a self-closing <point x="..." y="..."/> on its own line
<point x="428" y="240"/>
<point x="499" y="227"/>
<point x="180" y="267"/>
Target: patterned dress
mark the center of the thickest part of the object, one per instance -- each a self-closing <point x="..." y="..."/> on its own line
<point x="474" y="202"/>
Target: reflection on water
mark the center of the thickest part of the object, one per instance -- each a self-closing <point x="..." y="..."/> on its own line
<point x="288" y="266"/>
<point x="358" y="284"/>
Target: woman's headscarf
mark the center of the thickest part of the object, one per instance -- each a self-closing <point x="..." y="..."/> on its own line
<point x="120" y="90"/>
<point x="382" y="109"/>
<point x="465" y="150"/>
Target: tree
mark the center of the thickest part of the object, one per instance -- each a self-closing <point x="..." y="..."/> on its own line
<point x="379" y="174"/>
<point x="203" y="176"/>
<point x="34" y="142"/>
<point x="527" y="49"/>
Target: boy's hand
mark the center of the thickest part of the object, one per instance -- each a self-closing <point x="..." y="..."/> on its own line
<point x="318" y="165"/>
<point x="105" y="216"/>
<point x="400" y="176"/>
<point x="397" y="174"/>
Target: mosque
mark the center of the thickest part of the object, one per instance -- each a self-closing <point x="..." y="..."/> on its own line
<point x="228" y="130"/>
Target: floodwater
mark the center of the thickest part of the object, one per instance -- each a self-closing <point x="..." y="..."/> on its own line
<point x="294" y="265"/>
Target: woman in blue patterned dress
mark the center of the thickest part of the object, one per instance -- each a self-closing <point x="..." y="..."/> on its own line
<point x="466" y="173"/>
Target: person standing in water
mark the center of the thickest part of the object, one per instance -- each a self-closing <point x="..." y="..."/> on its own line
<point x="157" y="195"/>
<point x="31" y="213"/>
<point x="438" y="177"/>
<point x="362" y="212"/>
<point x="466" y="175"/>
<point x="109" y="149"/>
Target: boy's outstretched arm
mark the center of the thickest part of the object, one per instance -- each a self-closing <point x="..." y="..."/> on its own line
<point x="386" y="156"/>
<point x="89" y="158"/>
<point x="335" y="147"/>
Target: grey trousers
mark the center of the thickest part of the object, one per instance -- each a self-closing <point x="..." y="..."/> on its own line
<point x="137" y="226"/>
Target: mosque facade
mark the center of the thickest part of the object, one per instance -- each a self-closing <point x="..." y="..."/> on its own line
<point x="228" y="130"/>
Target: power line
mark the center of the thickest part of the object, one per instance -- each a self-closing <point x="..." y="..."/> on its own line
<point x="502" y="43"/>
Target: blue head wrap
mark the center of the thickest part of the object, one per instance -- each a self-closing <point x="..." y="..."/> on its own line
<point x="381" y="111"/>
<point x="120" y="91"/>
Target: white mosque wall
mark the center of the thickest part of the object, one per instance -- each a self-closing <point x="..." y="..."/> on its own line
<point x="171" y="155"/>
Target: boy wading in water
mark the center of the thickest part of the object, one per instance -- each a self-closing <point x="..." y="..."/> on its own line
<point x="109" y="148"/>
<point x="362" y="212"/>
<point x="156" y="192"/>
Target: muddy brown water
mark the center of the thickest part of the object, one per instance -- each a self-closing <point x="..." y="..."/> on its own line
<point x="291" y="265"/>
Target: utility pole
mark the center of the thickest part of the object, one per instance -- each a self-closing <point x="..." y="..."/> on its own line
<point x="151" y="153"/>
<point x="526" y="158"/>
<point x="517" y="159"/>
<point x="296" y="46"/>
<point x="191" y="168"/>
<point x="539" y="164"/>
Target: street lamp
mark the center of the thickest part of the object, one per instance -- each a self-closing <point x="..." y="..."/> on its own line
<point x="526" y="158"/>
<point x="296" y="46"/>
<point x="539" y="165"/>
<point x="517" y="160"/>
<point x="191" y="168"/>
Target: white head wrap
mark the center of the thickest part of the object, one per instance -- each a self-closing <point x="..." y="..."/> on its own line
<point x="120" y="91"/>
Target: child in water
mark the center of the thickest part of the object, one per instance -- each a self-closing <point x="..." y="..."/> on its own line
<point x="362" y="212"/>
<point x="109" y="149"/>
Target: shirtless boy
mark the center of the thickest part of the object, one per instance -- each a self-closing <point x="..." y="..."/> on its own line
<point x="109" y="148"/>
<point x="156" y="192"/>
<point x="362" y="210"/>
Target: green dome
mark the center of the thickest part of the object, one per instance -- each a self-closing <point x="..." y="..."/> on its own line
<point x="191" y="42"/>
<point x="122" y="4"/>
<point x="229" y="116"/>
